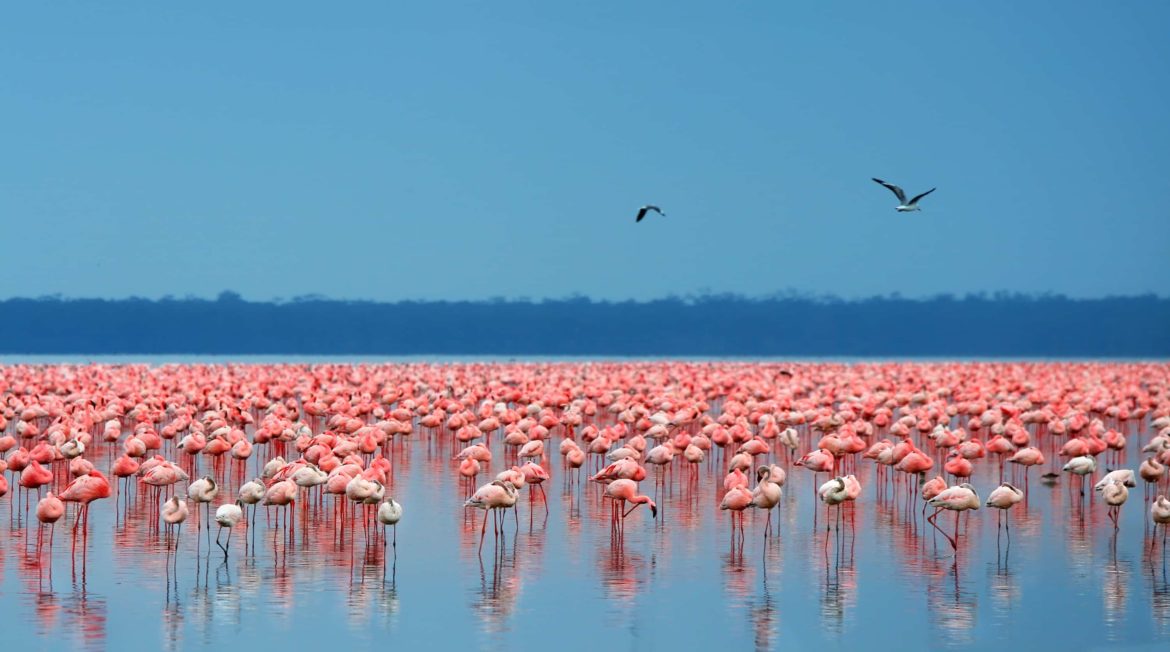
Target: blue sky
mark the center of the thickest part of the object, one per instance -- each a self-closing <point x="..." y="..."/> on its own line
<point x="468" y="150"/>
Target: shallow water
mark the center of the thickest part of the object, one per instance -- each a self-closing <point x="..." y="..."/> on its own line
<point x="1063" y="577"/>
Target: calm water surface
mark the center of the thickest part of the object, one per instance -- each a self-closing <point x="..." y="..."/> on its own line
<point x="1063" y="578"/>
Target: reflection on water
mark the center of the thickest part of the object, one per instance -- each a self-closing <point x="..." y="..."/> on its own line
<point x="1114" y="594"/>
<point x="494" y="600"/>
<point x="1160" y="598"/>
<point x="764" y="616"/>
<point x="569" y="576"/>
<point x="838" y="595"/>
<point x="1004" y="589"/>
<point x="952" y="605"/>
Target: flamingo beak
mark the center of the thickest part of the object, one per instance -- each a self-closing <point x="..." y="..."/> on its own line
<point x="653" y="511"/>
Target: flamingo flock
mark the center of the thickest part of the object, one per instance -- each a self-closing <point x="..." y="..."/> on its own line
<point x="222" y="442"/>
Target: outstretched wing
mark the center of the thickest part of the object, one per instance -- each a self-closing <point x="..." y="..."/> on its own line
<point x="894" y="189"/>
<point x="915" y="200"/>
<point x="648" y="207"/>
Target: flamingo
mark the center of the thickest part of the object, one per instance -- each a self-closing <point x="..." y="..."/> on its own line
<point x="1160" y="515"/>
<point x="622" y="491"/>
<point x="389" y="513"/>
<point x="50" y="509"/>
<point x="736" y="500"/>
<point x="1003" y="498"/>
<point x="282" y="494"/>
<point x="1081" y="466"/>
<point x="735" y="478"/>
<point x="496" y="495"/>
<point x="832" y="493"/>
<point x="534" y="477"/>
<point x="1151" y="470"/>
<point x="1118" y="476"/>
<point x="174" y="512"/>
<point x="85" y="490"/>
<point x="35" y="476"/>
<point x="626" y="469"/>
<point x="932" y="488"/>
<point x="228" y="516"/>
<point x="660" y="456"/>
<point x="1027" y="458"/>
<point x="957" y="499"/>
<point x="766" y="495"/>
<point x="1115" y="495"/>
<point x="203" y="491"/>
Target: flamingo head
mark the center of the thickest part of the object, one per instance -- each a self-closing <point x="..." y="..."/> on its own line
<point x="653" y="509"/>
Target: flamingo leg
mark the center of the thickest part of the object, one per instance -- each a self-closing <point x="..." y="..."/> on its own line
<point x="482" y="531"/>
<point x="955" y="541"/>
<point x="930" y="519"/>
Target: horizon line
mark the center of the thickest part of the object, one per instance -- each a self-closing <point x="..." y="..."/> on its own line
<point x="691" y="297"/>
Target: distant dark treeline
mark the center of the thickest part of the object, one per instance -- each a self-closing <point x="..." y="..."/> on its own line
<point x="719" y="325"/>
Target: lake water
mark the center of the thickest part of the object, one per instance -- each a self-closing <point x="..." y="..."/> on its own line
<point x="1063" y="580"/>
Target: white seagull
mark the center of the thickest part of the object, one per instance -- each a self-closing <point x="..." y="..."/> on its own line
<point x="905" y="206"/>
<point x="642" y="212"/>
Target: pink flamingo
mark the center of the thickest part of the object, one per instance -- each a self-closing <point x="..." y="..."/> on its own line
<point x="1003" y="498"/>
<point x="85" y="490"/>
<point x="496" y="495"/>
<point x="50" y="509"/>
<point x="957" y="499"/>
<point x="767" y="494"/>
<point x="174" y="512"/>
<point x="622" y="491"/>
<point x="736" y="500"/>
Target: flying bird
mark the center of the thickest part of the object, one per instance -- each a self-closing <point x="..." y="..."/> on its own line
<point x="905" y="206"/>
<point x="642" y="212"/>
